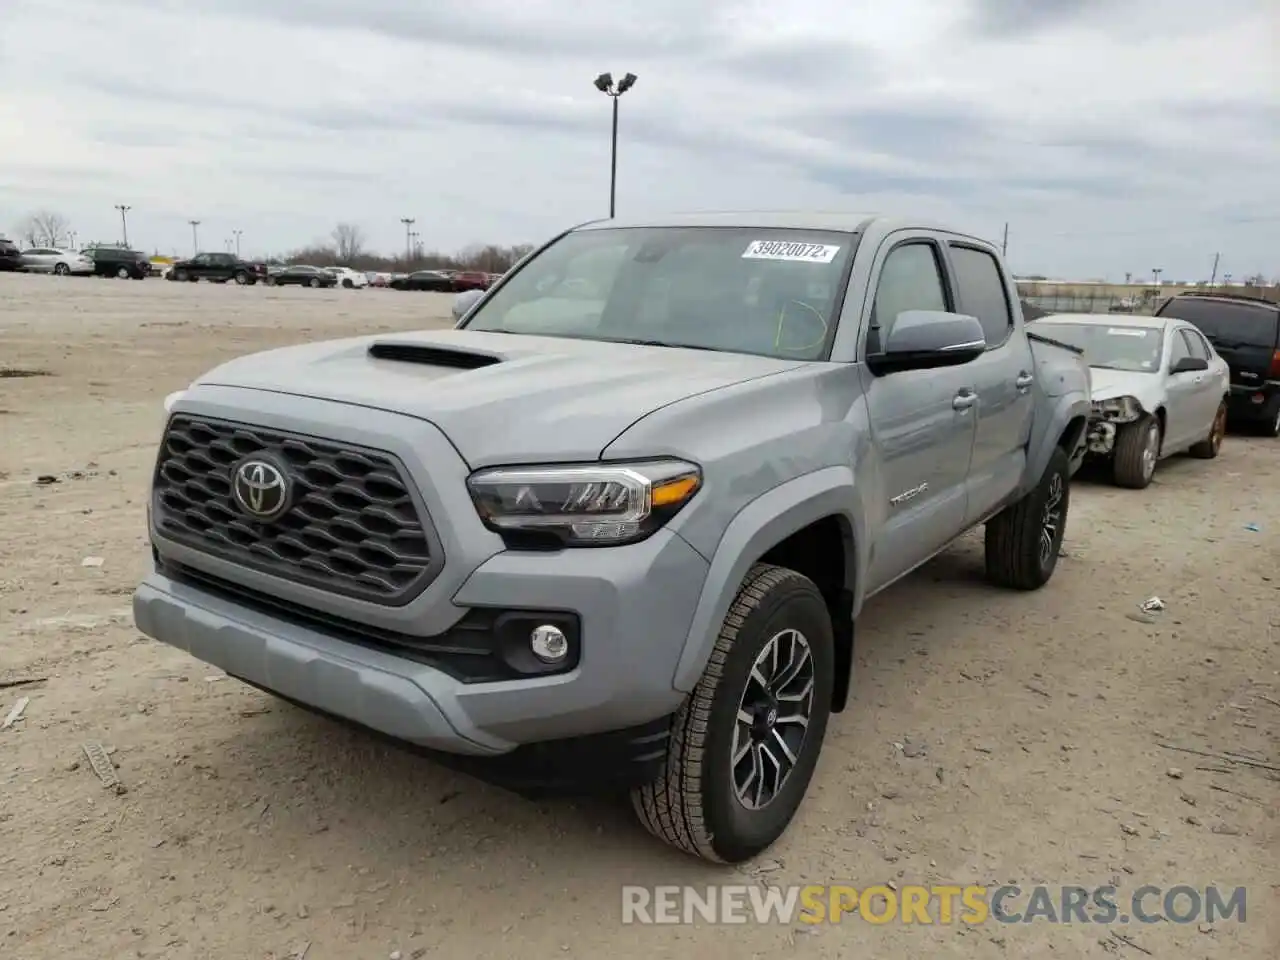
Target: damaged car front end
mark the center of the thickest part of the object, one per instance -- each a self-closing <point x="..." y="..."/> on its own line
<point x="1106" y="419"/>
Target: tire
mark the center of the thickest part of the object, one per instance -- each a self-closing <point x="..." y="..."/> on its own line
<point x="270" y="281"/>
<point x="1271" y="427"/>
<point x="1137" y="451"/>
<point x="348" y="284"/>
<point x="179" y="275"/>
<point x="242" y="278"/>
<point x="1208" y="448"/>
<point x="1023" y="540"/>
<point x="313" y="283"/>
<point x="122" y="273"/>
<point x="694" y="805"/>
<point x="61" y="269"/>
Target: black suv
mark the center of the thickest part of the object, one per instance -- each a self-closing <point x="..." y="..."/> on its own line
<point x="218" y="268"/>
<point x="119" y="262"/>
<point x="10" y="255"/>
<point x="1246" y="332"/>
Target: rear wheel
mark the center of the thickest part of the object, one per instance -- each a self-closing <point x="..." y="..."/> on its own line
<point x="1271" y="426"/>
<point x="313" y="282"/>
<point x="122" y="273"/>
<point x="241" y="278"/>
<point x="271" y="281"/>
<point x="744" y="746"/>
<point x="1208" y="448"/>
<point x="348" y="284"/>
<point x="1136" y="453"/>
<point x="1022" y="541"/>
<point x="61" y="269"/>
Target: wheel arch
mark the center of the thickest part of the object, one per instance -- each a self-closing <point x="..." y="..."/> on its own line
<point x="810" y="524"/>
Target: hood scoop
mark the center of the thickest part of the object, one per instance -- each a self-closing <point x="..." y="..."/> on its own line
<point x="428" y="355"/>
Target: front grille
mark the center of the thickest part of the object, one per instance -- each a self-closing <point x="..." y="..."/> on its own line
<point x="351" y="528"/>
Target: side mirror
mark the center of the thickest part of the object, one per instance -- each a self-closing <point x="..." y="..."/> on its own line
<point x="464" y="302"/>
<point x="1190" y="365"/>
<point x="928" y="339"/>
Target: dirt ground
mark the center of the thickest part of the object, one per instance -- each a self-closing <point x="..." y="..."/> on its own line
<point x="995" y="737"/>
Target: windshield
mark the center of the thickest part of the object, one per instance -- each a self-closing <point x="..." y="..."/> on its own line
<point x="1122" y="347"/>
<point x="768" y="292"/>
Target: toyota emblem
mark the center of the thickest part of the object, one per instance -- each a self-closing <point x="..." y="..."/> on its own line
<point x="260" y="489"/>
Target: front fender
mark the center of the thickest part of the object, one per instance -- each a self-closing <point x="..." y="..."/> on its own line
<point x="1065" y="409"/>
<point x="760" y="525"/>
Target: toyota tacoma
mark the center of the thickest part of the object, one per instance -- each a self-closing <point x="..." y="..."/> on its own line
<point x="615" y="529"/>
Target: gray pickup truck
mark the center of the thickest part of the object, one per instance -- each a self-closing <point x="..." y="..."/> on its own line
<point x="615" y="529"/>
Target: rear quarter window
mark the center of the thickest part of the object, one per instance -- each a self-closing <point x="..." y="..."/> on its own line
<point x="1223" y="321"/>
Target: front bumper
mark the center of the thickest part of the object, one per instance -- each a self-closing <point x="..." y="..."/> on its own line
<point x="633" y="603"/>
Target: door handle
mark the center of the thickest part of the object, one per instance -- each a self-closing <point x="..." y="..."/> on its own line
<point x="1024" y="380"/>
<point x="963" y="400"/>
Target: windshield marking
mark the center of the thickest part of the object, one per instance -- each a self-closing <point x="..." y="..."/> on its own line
<point x="788" y="250"/>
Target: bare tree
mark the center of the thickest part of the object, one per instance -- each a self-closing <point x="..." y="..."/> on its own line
<point x="348" y="239"/>
<point x="44" y="228"/>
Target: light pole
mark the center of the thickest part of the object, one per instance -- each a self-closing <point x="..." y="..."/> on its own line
<point x="124" y="223"/>
<point x="408" y="238"/>
<point x="195" y="237"/>
<point x="1155" y="272"/>
<point x="604" y="83"/>
<point x="236" y="234"/>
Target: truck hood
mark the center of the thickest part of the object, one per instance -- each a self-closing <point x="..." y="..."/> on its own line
<point x="500" y="398"/>
<point x="1109" y="384"/>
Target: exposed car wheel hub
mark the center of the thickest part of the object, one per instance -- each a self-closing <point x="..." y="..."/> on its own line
<point x="1150" y="450"/>
<point x="773" y="718"/>
<point x="1051" y="521"/>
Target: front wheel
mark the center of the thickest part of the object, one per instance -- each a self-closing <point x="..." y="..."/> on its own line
<point x="61" y="269"/>
<point x="1022" y="541"/>
<point x="744" y="746"/>
<point x="122" y="273"/>
<point x="242" y="278"/>
<point x="271" y="281"/>
<point x="348" y="284"/>
<point x="1136" y="453"/>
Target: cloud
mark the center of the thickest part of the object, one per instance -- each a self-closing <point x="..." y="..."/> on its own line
<point x="1107" y="135"/>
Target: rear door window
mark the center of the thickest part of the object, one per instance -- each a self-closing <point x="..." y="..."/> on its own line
<point x="1227" y="323"/>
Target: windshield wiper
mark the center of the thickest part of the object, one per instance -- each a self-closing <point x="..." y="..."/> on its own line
<point x="1054" y="343"/>
<point x="636" y="342"/>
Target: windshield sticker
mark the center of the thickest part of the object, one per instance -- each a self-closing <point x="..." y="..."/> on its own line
<point x="1124" y="332"/>
<point x="786" y="250"/>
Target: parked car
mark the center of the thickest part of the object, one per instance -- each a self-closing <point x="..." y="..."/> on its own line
<point x="1246" y="332"/>
<point x="1158" y="385"/>
<point x="119" y="262"/>
<point x="56" y="260"/>
<point x="10" y="255"/>
<point x="620" y="543"/>
<point x="299" y="275"/>
<point x="218" y="268"/>
<point x="471" y="280"/>
<point x="425" y="280"/>
<point x="348" y="278"/>
<point x="381" y="280"/>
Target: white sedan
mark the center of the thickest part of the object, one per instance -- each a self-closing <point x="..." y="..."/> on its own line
<point x="1158" y="385"/>
<point x="56" y="260"/>
<point x="351" y="279"/>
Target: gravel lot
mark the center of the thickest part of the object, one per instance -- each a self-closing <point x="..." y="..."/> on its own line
<point x="995" y="737"/>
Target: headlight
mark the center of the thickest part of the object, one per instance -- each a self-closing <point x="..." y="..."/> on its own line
<point x="172" y="399"/>
<point x="1118" y="409"/>
<point x="601" y="505"/>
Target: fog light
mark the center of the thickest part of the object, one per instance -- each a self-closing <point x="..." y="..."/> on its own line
<point x="548" y="643"/>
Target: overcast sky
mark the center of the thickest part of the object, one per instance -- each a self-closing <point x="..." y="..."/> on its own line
<point x="1112" y="135"/>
